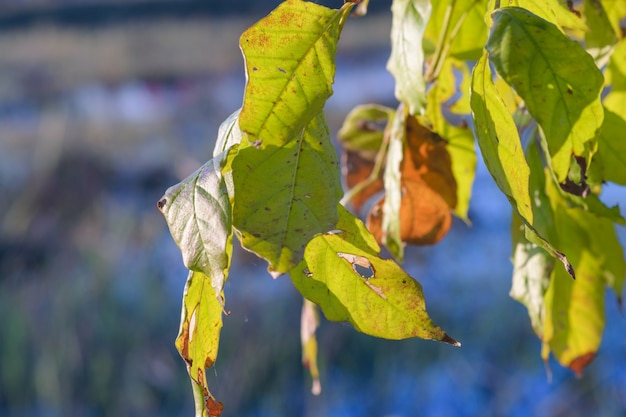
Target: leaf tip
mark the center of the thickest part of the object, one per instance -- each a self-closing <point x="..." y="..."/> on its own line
<point x="447" y="339"/>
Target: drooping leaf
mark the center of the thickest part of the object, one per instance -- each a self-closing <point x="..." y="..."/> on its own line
<point x="390" y="234"/>
<point x="499" y="142"/>
<point x="290" y="68"/>
<point x="198" y="213"/>
<point x="615" y="11"/>
<point x="557" y="79"/>
<point x="600" y="33"/>
<point x="615" y="100"/>
<point x="343" y="274"/>
<point x="471" y="35"/>
<point x="409" y="18"/>
<point x="309" y="322"/>
<point x="198" y="338"/>
<point x="428" y="189"/>
<point x="286" y="195"/>
<point x="445" y="97"/>
<point x="553" y="11"/>
<point x="612" y="148"/>
<point x="358" y="169"/>
<point x="228" y="134"/>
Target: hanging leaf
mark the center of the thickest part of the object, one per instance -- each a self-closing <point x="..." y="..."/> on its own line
<point x="557" y="79"/>
<point x="389" y="231"/>
<point x="471" y="33"/>
<point x="615" y="100"/>
<point x="343" y="274"/>
<point x="286" y="195"/>
<point x="409" y="19"/>
<point x="198" y="213"/>
<point x="615" y="11"/>
<point x="553" y="11"/>
<point x="198" y="338"/>
<point x="499" y="142"/>
<point x="290" y="68"/>
<point x="428" y="189"/>
<point x="600" y="33"/>
<point x="612" y="148"/>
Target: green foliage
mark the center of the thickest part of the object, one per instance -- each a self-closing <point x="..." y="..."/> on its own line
<point x="274" y="180"/>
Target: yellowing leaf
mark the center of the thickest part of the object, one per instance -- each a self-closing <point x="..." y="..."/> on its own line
<point x="557" y="79"/>
<point x="407" y="56"/>
<point x="553" y="11"/>
<point x="277" y="221"/>
<point x="612" y="148"/>
<point x="380" y="300"/>
<point x="471" y="35"/>
<point x="198" y="338"/>
<point x="289" y="57"/>
<point x="499" y="142"/>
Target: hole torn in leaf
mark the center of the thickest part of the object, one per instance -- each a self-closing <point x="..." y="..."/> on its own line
<point x="360" y="264"/>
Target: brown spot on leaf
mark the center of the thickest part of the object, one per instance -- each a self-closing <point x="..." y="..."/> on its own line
<point x="578" y="364"/>
<point x="161" y="203"/>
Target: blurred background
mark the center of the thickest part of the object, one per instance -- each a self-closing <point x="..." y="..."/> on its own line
<point x="106" y="103"/>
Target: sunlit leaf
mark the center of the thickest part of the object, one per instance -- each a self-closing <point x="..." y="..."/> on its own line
<point x="600" y="33"/>
<point x="198" y="338"/>
<point x="198" y="213"/>
<point x="290" y="68"/>
<point x="553" y="11"/>
<point x="385" y="302"/>
<point x="557" y="79"/>
<point x="428" y="189"/>
<point x="615" y="100"/>
<point x="407" y="56"/>
<point x="612" y="148"/>
<point x="499" y="142"/>
<point x="615" y="11"/>
<point x="390" y="234"/>
<point x="471" y="34"/>
<point x="286" y="195"/>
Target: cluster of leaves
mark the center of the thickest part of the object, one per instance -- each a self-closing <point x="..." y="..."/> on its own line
<point x="547" y="136"/>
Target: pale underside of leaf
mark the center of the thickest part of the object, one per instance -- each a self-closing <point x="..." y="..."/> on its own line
<point x="198" y="213"/>
<point x="289" y="57"/>
<point x="557" y="79"/>
<point x="409" y="19"/>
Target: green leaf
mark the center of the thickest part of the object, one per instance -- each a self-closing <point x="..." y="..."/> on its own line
<point x="391" y="236"/>
<point x="343" y="274"/>
<point x="409" y="18"/>
<point x="557" y="79"/>
<point x="470" y="36"/>
<point x="499" y="142"/>
<point x="612" y="148"/>
<point x="600" y="33"/>
<point x="442" y="95"/>
<point x="615" y="11"/>
<point x="615" y="100"/>
<point x="286" y="195"/>
<point x="290" y="68"/>
<point x="553" y="11"/>
<point x="198" y="213"/>
<point x="198" y="338"/>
